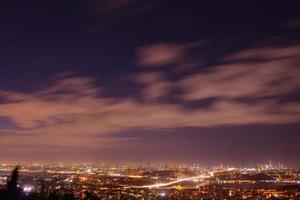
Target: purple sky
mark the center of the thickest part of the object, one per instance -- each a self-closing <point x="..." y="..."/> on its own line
<point x="150" y="81"/>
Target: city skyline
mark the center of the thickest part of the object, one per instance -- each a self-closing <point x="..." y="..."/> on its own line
<point x="131" y="81"/>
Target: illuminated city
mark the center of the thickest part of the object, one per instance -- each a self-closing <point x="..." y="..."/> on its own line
<point x="156" y="182"/>
<point x="150" y="100"/>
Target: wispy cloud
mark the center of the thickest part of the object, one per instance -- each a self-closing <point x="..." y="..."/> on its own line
<point x="252" y="73"/>
<point x="155" y="85"/>
<point x="74" y="112"/>
<point x="160" y="54"/>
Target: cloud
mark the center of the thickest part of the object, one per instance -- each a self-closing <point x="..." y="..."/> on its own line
<point x="159" y="54"/>
<point x="278" y="73"/>
<point x="155" y="85"/>
<point x="267" y="54"/>
<point x="73" y="112"/>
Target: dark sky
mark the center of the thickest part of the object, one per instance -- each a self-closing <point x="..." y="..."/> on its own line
<point x="205" y="81"/>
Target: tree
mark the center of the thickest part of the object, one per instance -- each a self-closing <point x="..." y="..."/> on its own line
<point x="12" y="191"/>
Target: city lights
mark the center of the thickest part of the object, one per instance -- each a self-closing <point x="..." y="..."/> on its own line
<point x="175" y="182"/>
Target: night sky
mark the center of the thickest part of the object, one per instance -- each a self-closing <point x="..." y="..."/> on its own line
<point x="196" y="81"/>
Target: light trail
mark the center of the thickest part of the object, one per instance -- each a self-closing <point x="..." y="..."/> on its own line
<point x="170" y="183"/>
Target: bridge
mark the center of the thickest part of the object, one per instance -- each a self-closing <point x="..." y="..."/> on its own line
<point x="171" y="183"/>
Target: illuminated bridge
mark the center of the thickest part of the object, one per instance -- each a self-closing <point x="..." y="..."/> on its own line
<point x="171" y="183"/>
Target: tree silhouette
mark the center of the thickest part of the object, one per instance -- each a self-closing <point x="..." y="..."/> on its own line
<point x="12" y="184"/>
<point x="12" y="191"/>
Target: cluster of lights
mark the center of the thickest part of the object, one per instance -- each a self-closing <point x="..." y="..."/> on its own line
<point x="27" y="189"/>
<point x="162" y="194"/>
